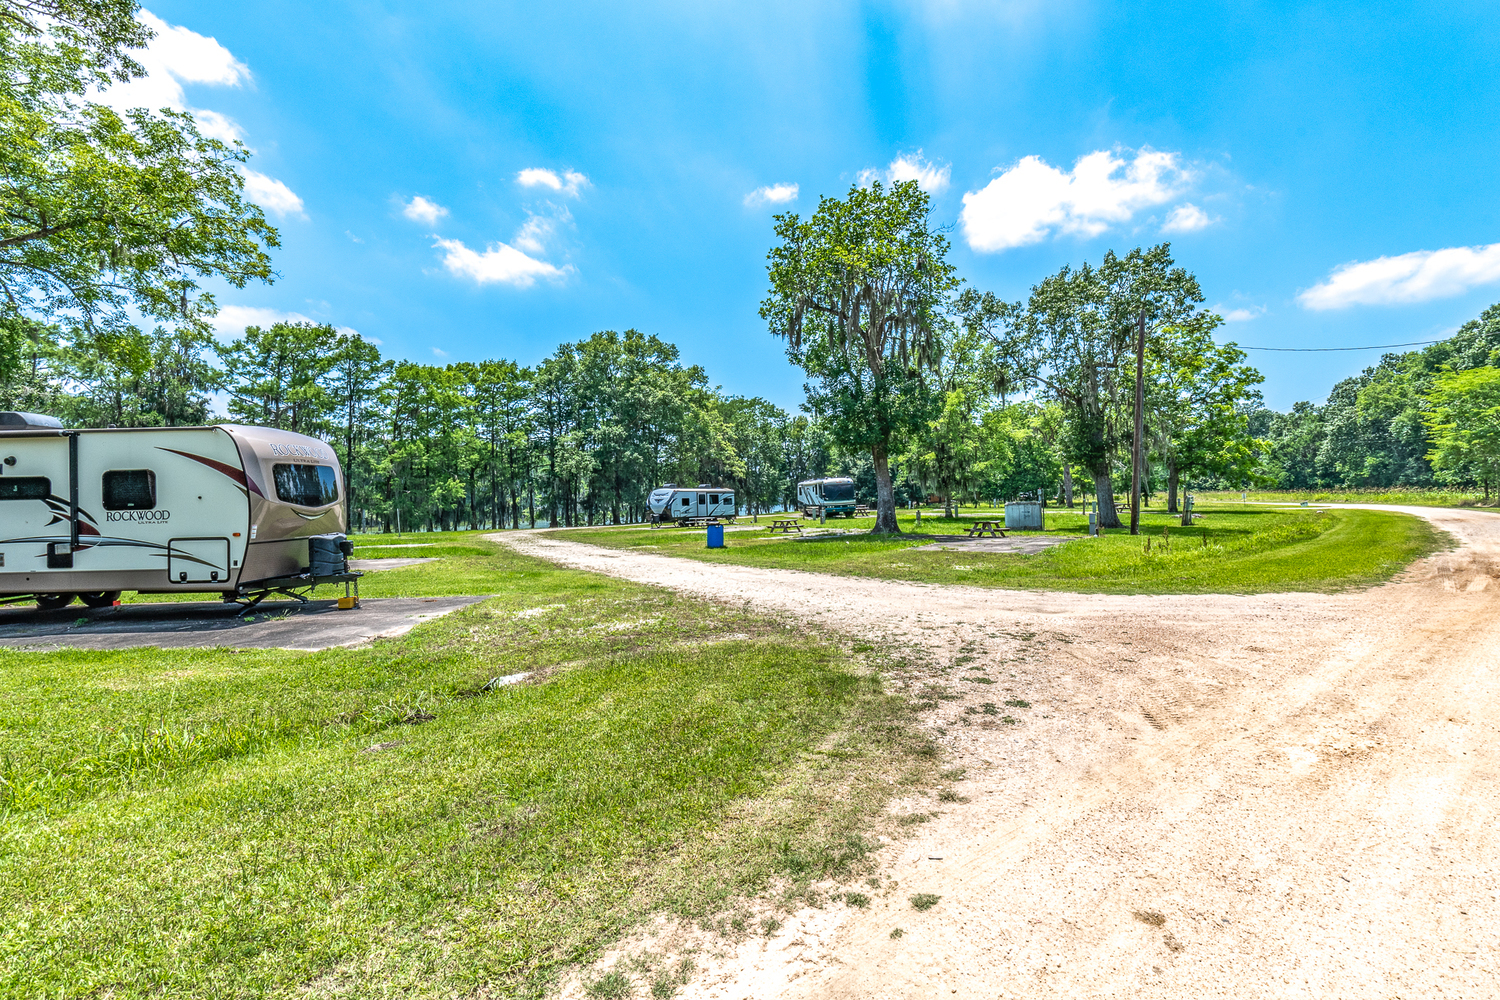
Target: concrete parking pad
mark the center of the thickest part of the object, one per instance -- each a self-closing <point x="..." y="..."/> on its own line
<point x="1019" y="544"/>
<point x="273" y="625"/>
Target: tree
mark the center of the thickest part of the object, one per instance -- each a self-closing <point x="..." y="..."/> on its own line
<point x="1072" y="340"/>
<point x="859" y="292"/>
<point x="1200" y="400"/>
<point x="103" y="213"/>
<point x="279" y="376"/>
<point x="1464" y="421"/>
<point x="1063" y="343"/>
<point x="29" y="365"/>
<point x="354" y="379"/>
<point x="948" y="453"/>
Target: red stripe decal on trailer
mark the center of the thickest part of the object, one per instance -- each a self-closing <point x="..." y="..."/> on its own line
<point x="238" y="475"/>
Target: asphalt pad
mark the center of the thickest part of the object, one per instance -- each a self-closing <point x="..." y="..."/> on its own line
<point x="273" y="625"/>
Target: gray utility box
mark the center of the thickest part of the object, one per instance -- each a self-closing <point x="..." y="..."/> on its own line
<point x="1024" y="514"/>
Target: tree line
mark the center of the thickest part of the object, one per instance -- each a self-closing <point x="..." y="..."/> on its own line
<point x="1417" y="418"/>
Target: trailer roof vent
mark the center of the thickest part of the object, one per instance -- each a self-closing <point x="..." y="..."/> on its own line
<point x="11" y="419"/>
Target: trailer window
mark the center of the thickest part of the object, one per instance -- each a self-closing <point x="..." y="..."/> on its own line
<point x="306" y="485"/>
<point x="687" y="501"/>
<point x="130" y="489"/>
<point x="713" y="498"/>
<point x="25" y="488"/>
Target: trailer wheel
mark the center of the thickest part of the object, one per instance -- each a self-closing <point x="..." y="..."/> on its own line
<point x="53" y="602"/>
<point x="102" y="599"/>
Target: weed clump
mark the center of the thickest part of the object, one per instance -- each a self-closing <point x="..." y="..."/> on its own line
<point x="924" y="901"/>
<point x="611" y="986"/>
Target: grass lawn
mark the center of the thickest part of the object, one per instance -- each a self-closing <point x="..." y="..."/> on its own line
<point x="1409" y="496"/>
<point x="1248" y="550"/>
<point x="387" y="821"/>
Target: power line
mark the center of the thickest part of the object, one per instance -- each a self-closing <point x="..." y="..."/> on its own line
<point x="1372" y="347"/>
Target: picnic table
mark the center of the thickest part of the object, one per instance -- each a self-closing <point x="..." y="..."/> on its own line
<point x="787" y="526"/>
<point x="995" y="529"/>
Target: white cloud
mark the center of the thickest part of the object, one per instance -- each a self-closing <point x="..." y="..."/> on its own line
<point x="351" y="236"/>
<point x="232" y="320"/>
<point x="1033" y="200"/>
<point x="217" y="126"/>
<point x="271" y="194"/>
<point x="439" y="352"/>
<point x="422" y="209"/>
<point x="178" y="55"/>
<point x="772" y="194"/>
<point x="500" y="262"/>
<point x="1186" y="218"/>
<point x="534" y="233"/>
<point x="1409" y="277"/>
<point x="910" y="167"/>
<point x="1239" y="314"/>
<point x="569" y="182"/>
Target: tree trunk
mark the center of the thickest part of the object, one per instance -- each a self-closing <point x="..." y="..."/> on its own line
<point x="1138" y="442"/>
<point x="1104" y="495"/>
<point x="885" y="495"/>
<point x="1068" y="483"/>
<point x="1172" y="479"/>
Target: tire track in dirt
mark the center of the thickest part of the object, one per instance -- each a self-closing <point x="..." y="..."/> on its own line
<point x="1280" y="795"/>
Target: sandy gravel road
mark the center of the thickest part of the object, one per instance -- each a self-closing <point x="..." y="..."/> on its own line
<point x="1287" y="795"/>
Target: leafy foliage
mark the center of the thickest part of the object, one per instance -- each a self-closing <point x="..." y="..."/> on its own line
<point x="1373" y="431"/>
<point x="102" y="214"/>
<point x="859" y="291"/>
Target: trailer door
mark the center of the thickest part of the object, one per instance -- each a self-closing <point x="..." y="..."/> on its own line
<point x="198" y="560"/>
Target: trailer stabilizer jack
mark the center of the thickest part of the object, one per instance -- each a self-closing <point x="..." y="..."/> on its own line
<point x="296" y="587"/>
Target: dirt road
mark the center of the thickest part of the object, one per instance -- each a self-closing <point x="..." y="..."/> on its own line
<point x="1275" y="796"/>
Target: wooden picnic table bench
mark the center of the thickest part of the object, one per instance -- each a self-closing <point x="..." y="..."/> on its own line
<point x="787" y="526"/>
<point x="995" y="529"/>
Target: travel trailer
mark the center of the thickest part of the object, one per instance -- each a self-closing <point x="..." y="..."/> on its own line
<point x="238" y="511"/>
<point x="831" y="497"/>
<point x="678" y="503"/>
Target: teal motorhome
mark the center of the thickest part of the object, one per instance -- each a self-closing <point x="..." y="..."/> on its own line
<point x="678" y="503"/>
<point x="831" y="497"/>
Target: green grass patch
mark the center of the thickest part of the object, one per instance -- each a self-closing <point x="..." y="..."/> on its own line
<point x="1233" y="549"/>
<point x="1410" y="496"/>
<point x="388" y="821"/>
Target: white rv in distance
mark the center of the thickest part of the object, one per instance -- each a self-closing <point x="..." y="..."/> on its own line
<point x="679" y="503"/>
<point x="832" y="497"/>
<point x="238" y="511"/>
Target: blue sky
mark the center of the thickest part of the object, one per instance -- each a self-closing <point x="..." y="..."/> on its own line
<point x="1327" y="170"/>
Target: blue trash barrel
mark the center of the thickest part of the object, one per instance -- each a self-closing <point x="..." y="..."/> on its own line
<point x="716" y="536"/>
